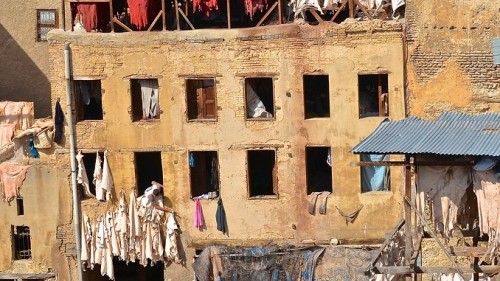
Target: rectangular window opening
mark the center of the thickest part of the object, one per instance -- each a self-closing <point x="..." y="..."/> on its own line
<point x="318" y="169"/>
<point x="204" y="173"/>
<point x="373" y="95"/>
<point x="46" y="20"/>
<point x="316" y="96"/>
<point x="20" y="206"/>
<point x="89" y="161"/>
<point x="259" y="97"/>
<point x="262" y="173"/>
<point x="22" y="242"/>
<point x="145" y="99"/>
<point x="88" y="99"/>
<point x="148" y="168"/>
<point x="201" y="99"/>
<point x="375" y="178"/>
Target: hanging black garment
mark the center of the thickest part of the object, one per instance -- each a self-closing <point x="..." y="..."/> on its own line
<point x="59" y="123"/>
<point x="220" y="217"/>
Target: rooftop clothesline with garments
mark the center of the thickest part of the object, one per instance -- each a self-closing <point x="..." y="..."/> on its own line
<point x="155" y="15"/>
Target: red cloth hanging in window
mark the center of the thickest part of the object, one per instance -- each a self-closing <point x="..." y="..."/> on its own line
<point x="88" y="15"/>
<point x="139" y="12"/>
<point x="251" y="6"/>
<point x="205" y="6"/>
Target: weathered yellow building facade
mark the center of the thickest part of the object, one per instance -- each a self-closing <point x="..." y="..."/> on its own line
<point x="285" y="54"/>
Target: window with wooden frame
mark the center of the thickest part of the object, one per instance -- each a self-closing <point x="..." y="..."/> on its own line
<point x="145" y="99"/>
<point x="46" y="20"/>
<point x="259" y="98"/>
<point x="318" y="169"/>
<point x="316" y="96"/>
<point x="204" y="173"/>
<point x="201" y="99"/>
<point x="88" y="99"/>
<point x="262" y="173"/>
<point x="21" y="242"/>
<point x="373" y="95"/>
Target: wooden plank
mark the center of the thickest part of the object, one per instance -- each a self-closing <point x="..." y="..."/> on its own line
<point x="315" y="15"/>
<point x="185" y="18"/>
<point x="228" y="14"/>
<point x="407" y="210"/>
<point x="487" y="269"/>
<point x="115" y="20"/>
<point x="351" y="9"/>
<point x="177" y="14"/>
<point x="111" y="16"/>
<point x="155" y="20"/>
<point x="27" y="276"/>
<point x="339" y="10"/>
<point x="163" y="16"/>
<point x="267" y="14"/>
<point x="280" y="10"/>
<point x="468" y="251"/>
<point x="363" y="9"/>
<point x="387" y="240"/>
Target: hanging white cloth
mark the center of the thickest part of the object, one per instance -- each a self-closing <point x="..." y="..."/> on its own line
<point x="150" y="105"/>
<point x="100" y="244"/>
<point x="98" y="178"/>
<point x="106" y="185"/>
<point x="81" y="176"/>
<point x="93" y="246"/>
<point x="121" y="223"/>
<point x="171" y="252"/>
<point x="134" y="229"/>
<point x="110" y="227"/>
<point x="86" y="239"/>
<point x="255" y="106"/>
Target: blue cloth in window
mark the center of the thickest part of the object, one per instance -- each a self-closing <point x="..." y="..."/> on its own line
<point x="33" y="150"/>
<point x="191" y="160"/>
<point x="374" y="178"/>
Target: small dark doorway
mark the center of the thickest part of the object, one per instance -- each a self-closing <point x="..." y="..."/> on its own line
<point x="262" y="171"/>
<point x="373" y="95"/>
<point x="318" y="171"/>
<point x="147" y="168"/>
<point x="132" y="271"/>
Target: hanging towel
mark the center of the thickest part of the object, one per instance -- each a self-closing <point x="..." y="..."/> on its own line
<point x="100" y="195"/>
<point x="349" y="218"/>
<point x="323" y="196"/>
<point x="59" y="123"/>
<point x="11" y="179"/>
<point x="106" y="185"/>
<point x="81" y="176"/>
<point x="134" y="228"/>
<point x="84" y="257"/>
<point x="149" y="91"/>
<point x="199" y="220"/>
<point x="220" y="217"/>
<point x="171" y="251"/>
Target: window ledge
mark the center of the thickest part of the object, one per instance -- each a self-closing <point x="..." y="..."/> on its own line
<point x="146" y="121"/>
<point x="202" y="120"/>
<point x="263" y="197"/>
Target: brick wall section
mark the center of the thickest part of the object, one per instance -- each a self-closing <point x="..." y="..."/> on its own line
<point x="66" y="235"/>
<point x="477" y="65"/>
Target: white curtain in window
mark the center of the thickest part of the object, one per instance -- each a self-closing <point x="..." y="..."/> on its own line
<point x="150" y="105"/>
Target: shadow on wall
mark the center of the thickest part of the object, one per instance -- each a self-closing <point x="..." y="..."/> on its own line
<point x="20" y="77"/>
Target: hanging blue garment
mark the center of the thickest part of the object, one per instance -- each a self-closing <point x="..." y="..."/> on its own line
<point x="191" y="160"/>
<point x="34" y="151"/>
<point x="374" y="178"/>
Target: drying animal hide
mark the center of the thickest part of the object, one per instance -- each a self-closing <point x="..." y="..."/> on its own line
<point x="252" y="6"/>
<point x="205" y="6"/>
<point x="81" y="176"/>
<point x="139" y="10"/>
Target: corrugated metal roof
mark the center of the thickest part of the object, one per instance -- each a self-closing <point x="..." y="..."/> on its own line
<point x="495" y="46"/>
<point x="453" y="133"/>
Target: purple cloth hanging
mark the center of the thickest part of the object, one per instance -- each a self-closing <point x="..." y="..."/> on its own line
<point x="199" y="220"/>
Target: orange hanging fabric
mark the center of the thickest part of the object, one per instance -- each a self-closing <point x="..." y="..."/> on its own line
<point x="139" y="12"/>
<point x="88" y="13"/>
<point x="205" y="6"/>
<point x="251" y="6"/>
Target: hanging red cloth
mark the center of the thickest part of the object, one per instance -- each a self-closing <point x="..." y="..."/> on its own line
<point x="88" y="15"/>
<point x="251" y="6"/>
<point x="205" y="6"/>
<point x="139" y="12"/>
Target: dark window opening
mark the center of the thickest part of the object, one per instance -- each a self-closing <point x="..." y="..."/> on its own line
<point x="259" y="97"/>
<point x="316" y="96"/>
<point x="145" y="99"/>
<point x="89" y="163"/>
<point x="204" y="173"/>
<point x="46" y="20"/>
<point x="88" y="99"/>
<point x="132" y="271"/>
<point x="318" y="169"/>
<point x="22" y="242"/>
<point x="20" y="206"/>
<point x="262" y="173"/>
<point x="148" y="168"/>
<point x="373" y="95"/>
<point x="201" y="99"/>
<point x="375" y="178"/>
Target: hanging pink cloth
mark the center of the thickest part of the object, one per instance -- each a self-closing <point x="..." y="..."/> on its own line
<point x="251" y="6"/>
<point x="88" y="13"/>
<point x="11" y="179"/>
<point x="139" y="12"/>
<point x="199" y="220"/>
<point x="205" y="6"/>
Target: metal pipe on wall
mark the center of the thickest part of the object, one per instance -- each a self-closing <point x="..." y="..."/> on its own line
<point x="72" y="149"/>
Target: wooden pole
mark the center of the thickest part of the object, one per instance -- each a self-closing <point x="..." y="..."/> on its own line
<point x="339" y="10"/>
<point x="266" y="15"/>
<point x="111" y="16"/>
<point x="407" y="210"/>
<point x="177" y="14"/>
<point x="351" y="9"/>
<point x="228" y="14"/>
<point x="280" y="16"/>
<point x="163" y="15"/>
